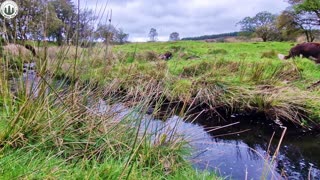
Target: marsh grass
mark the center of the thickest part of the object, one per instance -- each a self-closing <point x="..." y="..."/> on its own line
<point x="214" y="80"/>
<point x="56" y="133"/>
<point x="232" y="78"/>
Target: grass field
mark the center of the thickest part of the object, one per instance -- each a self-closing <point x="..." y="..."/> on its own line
<point x="239" y="77"/>
<point x="58" y="128"/>
<point x="57" y="132"/>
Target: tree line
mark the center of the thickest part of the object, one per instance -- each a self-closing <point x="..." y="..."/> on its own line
<point x="214" y="36"/>
<point x="58" y="21"/>
<point x="301" y="17"/>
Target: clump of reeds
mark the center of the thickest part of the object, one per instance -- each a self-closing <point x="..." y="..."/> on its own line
<point x="148" y="56"/>
<point x="176" y="49"/>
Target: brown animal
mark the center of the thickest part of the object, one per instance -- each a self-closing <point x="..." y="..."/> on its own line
<point x="31" y="48"/>
<point x="308" y="50"/>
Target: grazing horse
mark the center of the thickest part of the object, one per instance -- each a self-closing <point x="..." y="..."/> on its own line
<point x="308" y="50"/>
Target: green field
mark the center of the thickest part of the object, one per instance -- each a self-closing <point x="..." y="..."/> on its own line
<point x="57" y="135"/>
<point x="236" y="76"/>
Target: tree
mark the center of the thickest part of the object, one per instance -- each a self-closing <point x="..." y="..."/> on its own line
<point x="292" y="23"/>
<point x="26" y="22"/>
<point x="65" y="11"/>
<point x="86" y="25"/>
<point x="262" y="24"/>
<point x="174" y="36"/>
<point x="121" y="37"/>
<point x="310" y="7"/>
<point x="306" y="15"/>
<point x="106" y="32"/>
<point x="153" y="35"/>
<point x="287" y="25"/>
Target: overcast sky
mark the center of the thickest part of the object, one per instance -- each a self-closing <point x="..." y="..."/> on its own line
<point x="187" y="17"/>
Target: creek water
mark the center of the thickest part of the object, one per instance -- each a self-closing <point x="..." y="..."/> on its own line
<point x="239" y="151"/>
<point x="242" y="150"/>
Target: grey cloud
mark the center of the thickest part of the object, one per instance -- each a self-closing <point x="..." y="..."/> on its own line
<point x="188" y="17"/>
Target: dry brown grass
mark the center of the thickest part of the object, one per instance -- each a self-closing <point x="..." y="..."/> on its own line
<point x="18" y="50"/>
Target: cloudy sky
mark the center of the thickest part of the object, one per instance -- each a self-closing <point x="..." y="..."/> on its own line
<point x="187" y="17"/>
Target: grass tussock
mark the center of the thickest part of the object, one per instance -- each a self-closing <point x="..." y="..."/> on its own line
<point x="269" y="54"/>
<point x="148" y="56"/>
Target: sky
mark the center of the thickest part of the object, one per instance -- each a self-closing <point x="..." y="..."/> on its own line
<point x="189" y="18"/>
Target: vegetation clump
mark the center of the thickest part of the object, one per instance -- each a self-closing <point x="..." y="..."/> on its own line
<point x="269" y="54"/>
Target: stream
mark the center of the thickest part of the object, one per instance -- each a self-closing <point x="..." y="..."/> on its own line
<point x="238" y="151"/>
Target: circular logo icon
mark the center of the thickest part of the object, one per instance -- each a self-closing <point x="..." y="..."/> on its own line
<point x="9" y="9"/>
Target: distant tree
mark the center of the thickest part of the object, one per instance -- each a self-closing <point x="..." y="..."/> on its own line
<point x="214" y="36"/>
<point x="106" y="32"/>
<point x="287" y="25"/>
<point x="55" y="27"/>
<point x="26" y="21"/>
<point x="153" y="34"/>
<point x="262" y="24"/>
<point x="248" y="24"/>
<point x="65" y="11"/>
<point x="86" y="25"/>
<point x="121" y="37"/>
<point x="174" y="36"/>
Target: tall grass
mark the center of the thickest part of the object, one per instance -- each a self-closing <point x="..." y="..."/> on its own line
<point x="55" y="130"/>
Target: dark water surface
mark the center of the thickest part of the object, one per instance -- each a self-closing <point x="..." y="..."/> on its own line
<point x="239" y="155"/>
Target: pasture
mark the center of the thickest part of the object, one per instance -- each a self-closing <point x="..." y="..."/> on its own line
<point x="235" y="77"/>
<point x="62" y="126"/>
